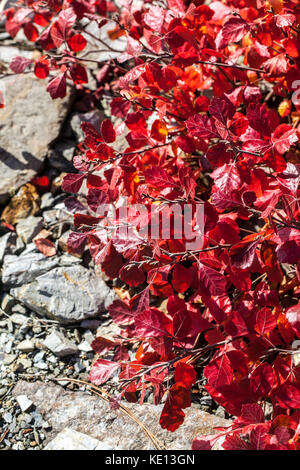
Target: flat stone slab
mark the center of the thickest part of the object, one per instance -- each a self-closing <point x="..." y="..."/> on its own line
<point x="68" y="439"/>
<point x="18" y="270"/>
<point x="29" y="122"/>
<point x="67" y="294"/>
<point x="90" y="415"/>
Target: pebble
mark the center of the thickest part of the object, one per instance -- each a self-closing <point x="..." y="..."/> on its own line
<point x="24" y="402"/>
<point x="26" y="346"/>
<point x="60" y="345"/>
<point x="8" y="417"/>
<point x="18" y="319"/>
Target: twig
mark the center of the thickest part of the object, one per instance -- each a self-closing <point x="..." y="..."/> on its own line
<point x="3" y="436"/>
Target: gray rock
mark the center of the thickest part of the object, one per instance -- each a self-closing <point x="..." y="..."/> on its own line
<point x="67" y="294"/>
<point x="6" y="243"/>
<point x="29" y="122"/>
<point x="7" y="303"/>
<point x="47" y="201"/>
<point x="68" y="439"/>
<point x="26" y="346"/>
<point x="19" y="270"/>
<point x="60" y="345"/>
<point x="24" y="402"/>
<point x="19" y="319"/>
<point x="28" y="228"/>
<point x="91" y="415"/>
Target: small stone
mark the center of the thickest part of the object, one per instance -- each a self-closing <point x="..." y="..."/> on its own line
<point x="25" y="363"/>
<point x="26" y="346"/>
<point x="29" y="227"/>
<point x="9" y="359"/>
<point x="68" y="439"/>
<point x="19" y="319"/>
<point x="60" y="345"/>
<point x="41" y="365"/>
<point x="24" y="402"/>
<point x="85" y="347"/>
<point x="39" y="356"/>
<point x="3" y="391"/>
<point x="7" y="302"/>
<point x="18" y="308"/>
<point x="8" y="417"/>
<point x="47" y="201"/>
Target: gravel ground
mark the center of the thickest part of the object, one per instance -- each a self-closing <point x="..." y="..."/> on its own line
<point x="24" y="356"/>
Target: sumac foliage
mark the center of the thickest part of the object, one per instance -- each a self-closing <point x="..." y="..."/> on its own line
<point x="207" y="97"/>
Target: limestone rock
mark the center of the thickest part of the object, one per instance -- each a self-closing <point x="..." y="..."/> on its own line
<point x="67" y="294"/>
<point x="29" y="122"/>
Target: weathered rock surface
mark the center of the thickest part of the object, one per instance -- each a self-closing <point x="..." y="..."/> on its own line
<point x="19" y="270"/>
<point x="67" y="294"/>
<point x="91" y="415"/>
<point x="29" y="122"/>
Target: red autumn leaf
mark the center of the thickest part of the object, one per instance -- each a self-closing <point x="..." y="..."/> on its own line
<point x="79" y="74"/>
<point x="72" y="182"/>
<point x="252" y="413"/>
<point x="102" y="370"/>
<point x="214" y="281"/>
<point x="185" y="375"/>
<point x="202" y="127"/>
<point x="265" y="321"/>
<point x="102" y="345"/>
<point x="107" y="131"/>
<point x="57" y="87"/>
<point x="287" y="396"/>
<point x="159" y="178"/>
<point x="151" y="323"/>
<point x="283" y="138"/>
<point x="262" y="379"/>
<point x="19" y="64"/>
<point x="41" y="69"/>
<point x="76" y="242"/>
<point x="219" y="372"/>
<point x="182" y="277"/>
<point x="293" y="316"/>
<point x="66" y="20"/>
<point x="171" y="418"/>
<point x="120" y="312"/>
<point x="132" y="275"/>
<point x="45" y="246"/>
<point x="31" y="32"/>
<point x="234" y="30"/>
<point x="203" y="442"/>
<point x="242" y="254"/>
<point x="77" y="42"/>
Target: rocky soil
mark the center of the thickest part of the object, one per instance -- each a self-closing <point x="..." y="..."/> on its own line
<point x="52" y="304"/>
